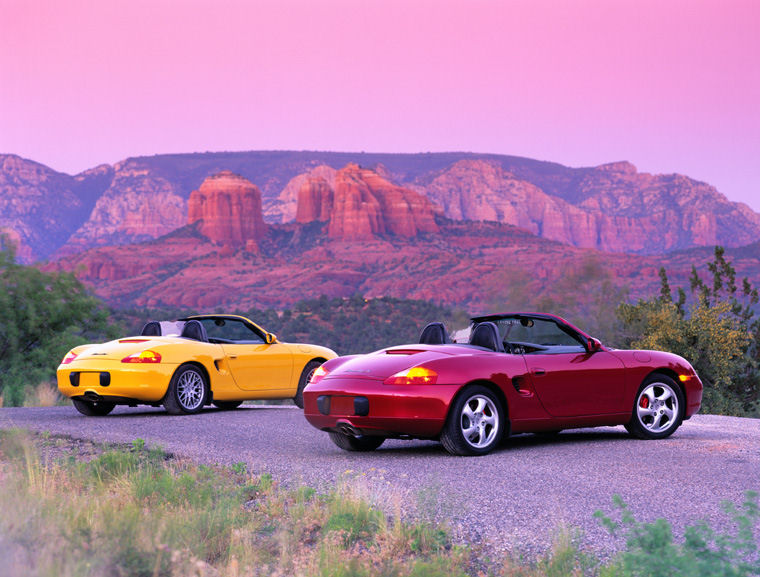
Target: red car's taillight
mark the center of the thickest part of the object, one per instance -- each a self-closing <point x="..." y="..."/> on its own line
<point x="143" y="357"/>
<point x="413" y="376"/>
<point x="68" y="358"/>
<point x="319" y="374"/>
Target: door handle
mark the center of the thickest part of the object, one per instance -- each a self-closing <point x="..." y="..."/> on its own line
<point x="233" y="356"/>
<point x="538" y="372"/>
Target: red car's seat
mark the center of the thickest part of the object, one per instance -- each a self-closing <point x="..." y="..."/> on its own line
<point x="434" y="334"/>
<point x="486" y="335"/>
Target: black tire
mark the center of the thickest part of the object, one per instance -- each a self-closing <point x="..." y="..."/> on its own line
<point x="478" y="410"/>
<point x="308" y="370"/>
<point x="93" y="408"/>
<point x="360" y="443"/>
<point x="227" y="405"/>
<point x="188" y="391"/>
<point x="658" y="409"/>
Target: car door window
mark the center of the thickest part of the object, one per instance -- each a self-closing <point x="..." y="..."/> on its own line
<point x="231" y="331"/>
<point x="535" y="335"/>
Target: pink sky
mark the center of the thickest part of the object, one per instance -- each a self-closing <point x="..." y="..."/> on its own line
<point x="672" y="86"/>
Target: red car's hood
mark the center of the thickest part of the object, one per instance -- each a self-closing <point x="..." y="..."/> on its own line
<point x="383" y="364"/>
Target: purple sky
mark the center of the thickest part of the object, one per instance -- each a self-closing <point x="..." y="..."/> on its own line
<point x="670" y="85"/>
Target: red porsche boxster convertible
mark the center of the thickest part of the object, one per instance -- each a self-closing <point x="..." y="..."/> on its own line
<point x="514" y="373"/>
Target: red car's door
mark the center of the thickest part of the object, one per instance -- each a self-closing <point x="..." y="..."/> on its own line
<point x="575" y="384"/>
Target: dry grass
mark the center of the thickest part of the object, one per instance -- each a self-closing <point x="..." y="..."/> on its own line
<point x="134" y="512"/>
<point x="73" y="508"/>
<point x="43" y="395"/>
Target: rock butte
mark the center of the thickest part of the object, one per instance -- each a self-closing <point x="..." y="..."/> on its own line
<point x="364" y="205"/>
<point x="228" y="207"/>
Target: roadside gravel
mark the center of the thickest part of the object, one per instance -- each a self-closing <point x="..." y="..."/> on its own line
<point x="512" y="501"/>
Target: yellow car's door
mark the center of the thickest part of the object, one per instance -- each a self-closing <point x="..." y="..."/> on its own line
<point x="261" y="367"/>
<point x="255" y="359"/>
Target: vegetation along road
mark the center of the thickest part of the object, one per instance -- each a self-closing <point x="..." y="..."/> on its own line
<point x="511" y="500"/>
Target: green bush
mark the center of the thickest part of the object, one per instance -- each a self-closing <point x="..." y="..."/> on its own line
<point x="715" y="331"/>
<point x="43" y="315"/>
<point x="652" y="551"/>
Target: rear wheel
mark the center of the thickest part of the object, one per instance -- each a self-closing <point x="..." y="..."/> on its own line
<point x="658" y="410"/>
<point x="352" y="443"/>
<point x="93" y="408"/>
<point x="306" y="374"/>
<point x="227" y="405"/>
<point x="188" y="391"/>
<point x="475" y="424"/>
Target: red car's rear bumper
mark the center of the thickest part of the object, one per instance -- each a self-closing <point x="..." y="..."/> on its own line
<point x="368" y="407"/>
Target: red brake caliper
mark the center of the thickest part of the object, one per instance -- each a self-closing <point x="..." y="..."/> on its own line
<point x="644" y="402"/>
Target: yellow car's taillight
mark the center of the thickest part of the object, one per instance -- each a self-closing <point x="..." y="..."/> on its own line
<point x="143" y="357"/>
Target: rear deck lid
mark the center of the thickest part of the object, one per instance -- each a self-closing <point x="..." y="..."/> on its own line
<point x="120" y="348"/>
<point x="382" y="364"/>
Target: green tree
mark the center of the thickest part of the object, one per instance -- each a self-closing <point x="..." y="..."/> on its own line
<point x="714" y="332"/>
<point x="42" y="316"/>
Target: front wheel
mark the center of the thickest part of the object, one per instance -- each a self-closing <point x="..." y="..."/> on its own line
<point x="475" y="424"/>
<point x="188" y="391"/>
<point x="352" y="443"/>
<point x="306" y="374"/>
<point x="93" y="408"/>
<point x="659" y="407"/>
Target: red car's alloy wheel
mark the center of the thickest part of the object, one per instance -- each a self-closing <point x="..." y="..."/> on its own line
<point x="479" y="421"/>
<point x="657" y="407"/>
<point x="475" y="424"/>
<point x="658" y="410"/>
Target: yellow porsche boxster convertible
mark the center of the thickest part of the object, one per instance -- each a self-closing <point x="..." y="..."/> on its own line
<point x="186" y="364"/>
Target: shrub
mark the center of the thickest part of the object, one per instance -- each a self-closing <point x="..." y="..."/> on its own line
<point x="652" y="551"/>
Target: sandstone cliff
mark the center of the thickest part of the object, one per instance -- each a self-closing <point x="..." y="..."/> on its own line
<point x="364" y="205"/>
<point x="286" y="206"/>
<point x="39" y="207"/>
<point x="228" y="207"/>
<point x="316" y="199"/>
<point x="611" y="207"/>
<point x="138" y="205"/>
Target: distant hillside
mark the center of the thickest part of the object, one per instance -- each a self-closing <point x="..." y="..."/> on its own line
<point x="611" y="207"/>
<point x="475" y="266"/>
<point x="41" y="208"/>
<point x="358" y="233"/>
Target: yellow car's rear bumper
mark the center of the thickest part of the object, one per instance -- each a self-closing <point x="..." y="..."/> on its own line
<point x="110" y="378"/>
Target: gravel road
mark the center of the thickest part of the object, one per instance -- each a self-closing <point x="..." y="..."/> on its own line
<point x="512" y="500"/>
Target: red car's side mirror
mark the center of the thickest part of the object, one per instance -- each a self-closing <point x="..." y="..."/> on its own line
<point x="593" y="345"/>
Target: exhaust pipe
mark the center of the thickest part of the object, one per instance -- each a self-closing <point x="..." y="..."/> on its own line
<point x="349" y="429"/>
